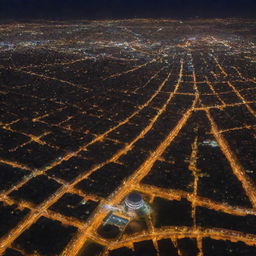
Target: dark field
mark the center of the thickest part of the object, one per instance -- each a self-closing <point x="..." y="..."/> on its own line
<point x="91" y="111"/>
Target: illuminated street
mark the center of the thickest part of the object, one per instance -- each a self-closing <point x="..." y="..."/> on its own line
<point x="94" y="110"/>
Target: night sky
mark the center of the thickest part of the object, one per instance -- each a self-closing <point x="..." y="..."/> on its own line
<point x="115" y="9"/>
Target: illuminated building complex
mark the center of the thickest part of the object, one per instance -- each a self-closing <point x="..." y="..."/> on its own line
<point x="134" y="204"/>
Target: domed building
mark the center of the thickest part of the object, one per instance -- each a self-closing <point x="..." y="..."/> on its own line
<point x="134" y="204"/>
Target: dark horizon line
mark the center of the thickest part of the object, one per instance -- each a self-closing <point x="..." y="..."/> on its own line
<point x="128" y="17"/>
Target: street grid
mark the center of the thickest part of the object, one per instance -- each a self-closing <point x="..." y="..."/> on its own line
<point x="91" y="111"/>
